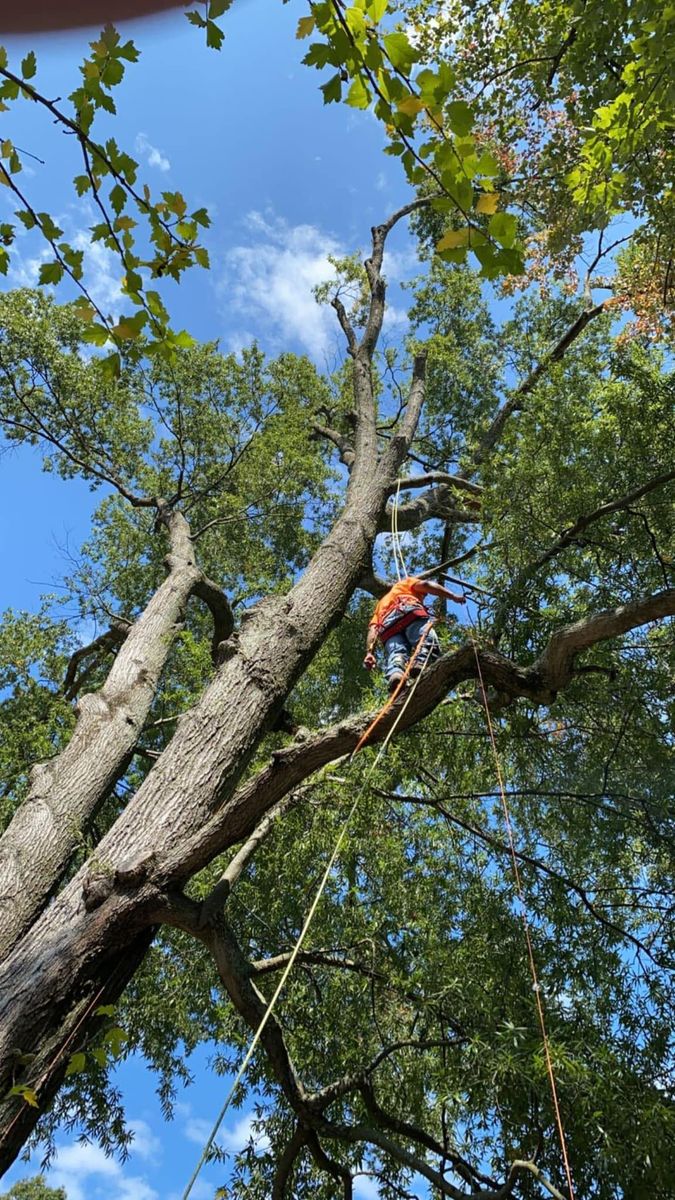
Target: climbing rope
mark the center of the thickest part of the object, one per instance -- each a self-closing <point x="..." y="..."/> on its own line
<point x="324" y="880"/>
<point x="399" y="561"/>
<point x="536" y="987"/>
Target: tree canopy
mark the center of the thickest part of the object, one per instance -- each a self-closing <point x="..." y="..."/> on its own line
<point x="174" y="782"/>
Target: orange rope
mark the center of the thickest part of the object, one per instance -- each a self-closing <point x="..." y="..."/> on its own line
<point x="390" y="702"/>
<point x="528" y="939"/>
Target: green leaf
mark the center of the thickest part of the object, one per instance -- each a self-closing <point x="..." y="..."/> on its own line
<point x="217" y="8"/>
<point x="358" y="95"/>
<point x="376" y="10"/>
<point x="76" y="1063"/>
<point x="503" y="227"/>
<point x="29" y="65"/>
<point x="305" y="27"/>
<point x="214" y="35"/>
<point x="82" y="184"/>
<point x="453" y="239"/>
<point x="96" y="335"/>
<point x="400" y="52"/>
<point x="459" y="117"/>
<point x="332" y="90"/>
<point x="27" y="219"/>
<point x="118" y="198"/>
<point x="26" y="1093"/>
<point x="49" y="227"/>
<point x="51" y="272"/>
<point x="116" y="1040"/>
<point x="487" y="202"/>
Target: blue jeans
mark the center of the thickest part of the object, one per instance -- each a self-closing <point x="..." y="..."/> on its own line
<point x="400" y="646"/>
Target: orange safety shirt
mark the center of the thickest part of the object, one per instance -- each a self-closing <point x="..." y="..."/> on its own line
<point x="409" y="591"/>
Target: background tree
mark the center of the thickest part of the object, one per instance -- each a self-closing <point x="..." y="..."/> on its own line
<point x="189" y="778"/>
<point x="34" y="1189"/>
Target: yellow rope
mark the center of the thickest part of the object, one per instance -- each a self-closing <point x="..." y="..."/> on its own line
<point x="308" y="920"/>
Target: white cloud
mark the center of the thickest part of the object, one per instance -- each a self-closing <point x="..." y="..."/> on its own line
<point x="269" y="281"/>
<point x="102" y="268"/>
<point x="366" y="1188"/>
<point x="87" y="1173"/>
<point x="271" y="278"/>
<point x="239" y="1135"/>
<point x="153" y="156"/>
<point x="146" y="1144"/>
<point x="197" y="1130"/>
<point x="102" y="271"/>
<point x="232" y="1137"/>
<point x="24" y="272"/>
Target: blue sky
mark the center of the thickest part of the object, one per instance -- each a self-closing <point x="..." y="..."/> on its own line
<point x="287" y="182"/>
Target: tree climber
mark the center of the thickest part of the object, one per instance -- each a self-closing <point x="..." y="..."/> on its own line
<point x="398" y="621"/>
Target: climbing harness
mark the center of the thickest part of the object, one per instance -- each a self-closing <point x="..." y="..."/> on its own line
<point x="536" y="987"/>
<point x="324" y="880"/>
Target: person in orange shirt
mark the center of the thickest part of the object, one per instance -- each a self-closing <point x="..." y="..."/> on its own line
<point x="398" y="621"/>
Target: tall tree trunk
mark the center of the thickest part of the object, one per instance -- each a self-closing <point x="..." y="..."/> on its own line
<point x="80" y="943"/>
<point x="65" y="792"/>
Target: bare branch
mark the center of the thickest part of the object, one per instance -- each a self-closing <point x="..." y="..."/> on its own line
<point x="345" y="325"/>
<point x="217" y="898"/>
<point x="569" y="536"/>
<point x="514" y="403"/>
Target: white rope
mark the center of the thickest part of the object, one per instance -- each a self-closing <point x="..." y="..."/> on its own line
<point x="401" y="571"/>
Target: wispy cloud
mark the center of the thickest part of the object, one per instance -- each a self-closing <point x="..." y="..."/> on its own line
<point x="151" y="154"/>
<point x="233" y="1137"/>
<point x="86" y="1173"/>
<point x="269" y="281"/>
<point x="102" y="268"/>
<point x="271" y="277"/>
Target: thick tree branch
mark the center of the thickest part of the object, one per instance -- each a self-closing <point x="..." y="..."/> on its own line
<point x="347" y="453"/>
<point x="438" y="503"/>
<point x="219" y="606"/>
<point x="556" y="662"/>
<point x="65" y="792"/>
<point x="102" y="645"/>
<point x="286" y="1162"/>
<point x="432" y="477"/>
<point x="331" y="1167"/>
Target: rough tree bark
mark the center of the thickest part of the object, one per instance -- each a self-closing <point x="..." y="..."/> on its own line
<point x="66" y="791"/>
